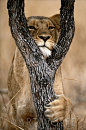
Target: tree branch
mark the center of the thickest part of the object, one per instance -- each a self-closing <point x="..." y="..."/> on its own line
<point x="41" y="71"/>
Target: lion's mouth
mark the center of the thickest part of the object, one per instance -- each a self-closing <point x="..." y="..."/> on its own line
<point x="44" y="46"/>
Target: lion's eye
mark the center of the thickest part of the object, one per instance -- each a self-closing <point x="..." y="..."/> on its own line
<point x="31" y="27"/>
<point x="51" y="27"/>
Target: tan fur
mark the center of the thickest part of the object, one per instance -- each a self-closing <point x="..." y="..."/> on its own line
<point x="22" y="105"/>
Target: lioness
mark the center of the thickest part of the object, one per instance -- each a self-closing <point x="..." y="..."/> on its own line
<point x="45" y="31"/>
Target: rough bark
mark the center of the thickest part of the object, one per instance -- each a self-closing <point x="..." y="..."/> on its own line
<point x="41" y="71"/>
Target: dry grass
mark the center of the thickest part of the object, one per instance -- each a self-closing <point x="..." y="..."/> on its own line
<point x="7" y="123"/>
<point x="74" y="65"/>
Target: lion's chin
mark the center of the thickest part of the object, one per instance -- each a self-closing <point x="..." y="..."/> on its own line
<point x="46" y="52"/>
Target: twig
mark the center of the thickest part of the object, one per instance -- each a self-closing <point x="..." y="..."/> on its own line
<point x="12" y="99"/>
<point x="3" y="101"/>
<point x="11" y="123"/>
<point x="74" y="80"/>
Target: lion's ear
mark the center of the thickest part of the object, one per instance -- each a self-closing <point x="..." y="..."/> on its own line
<point x="56" y="21"/>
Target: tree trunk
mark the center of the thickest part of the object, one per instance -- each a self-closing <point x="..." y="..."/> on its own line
<point x="41" y="71"/>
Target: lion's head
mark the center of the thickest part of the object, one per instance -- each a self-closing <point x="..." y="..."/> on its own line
<point x="45" y="32"/>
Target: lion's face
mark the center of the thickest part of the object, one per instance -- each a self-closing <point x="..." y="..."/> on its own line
<point x="45" y="32"/>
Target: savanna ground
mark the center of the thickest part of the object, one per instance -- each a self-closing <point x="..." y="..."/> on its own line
<point x="73" y="66"/>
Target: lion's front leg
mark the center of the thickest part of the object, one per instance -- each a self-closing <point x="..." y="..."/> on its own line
<point x="58" y="110"/>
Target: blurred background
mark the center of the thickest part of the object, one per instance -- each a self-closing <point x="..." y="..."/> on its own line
<point x="74" y="64"/>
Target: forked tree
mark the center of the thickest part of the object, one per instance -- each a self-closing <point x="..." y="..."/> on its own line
<point x="41" y="71"/>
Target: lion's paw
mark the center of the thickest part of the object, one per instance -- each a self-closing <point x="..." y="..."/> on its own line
<point x="58" y="109"/>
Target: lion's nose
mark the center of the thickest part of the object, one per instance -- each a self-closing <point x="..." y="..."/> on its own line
<point x="44" y="38"/>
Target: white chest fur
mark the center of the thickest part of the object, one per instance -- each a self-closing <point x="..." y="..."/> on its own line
<point x="46" y="52"/>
